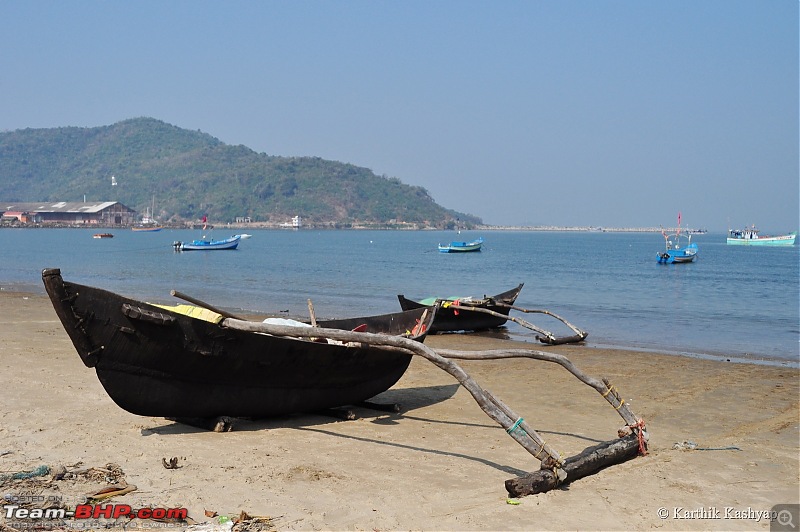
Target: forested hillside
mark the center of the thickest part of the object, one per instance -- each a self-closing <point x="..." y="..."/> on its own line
<point x="187" y="174"/>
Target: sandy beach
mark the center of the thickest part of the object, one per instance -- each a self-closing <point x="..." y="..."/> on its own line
<point x="440" y="464"/>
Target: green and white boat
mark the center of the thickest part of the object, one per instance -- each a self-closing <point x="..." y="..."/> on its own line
<point x="749" y="237"/>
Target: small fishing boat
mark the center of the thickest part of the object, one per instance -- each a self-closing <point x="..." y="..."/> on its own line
<point x="148" y="223"/>
<point x="749" y="237"/>
<point x="146" y="228"/>
<point x="208" y="245"/>
<point x="679" y="249"/>
<point x="461" y="247"/>
<point x="102" y="235"/>
<point x="193" y="362"/>
<point x="450" y="318"/>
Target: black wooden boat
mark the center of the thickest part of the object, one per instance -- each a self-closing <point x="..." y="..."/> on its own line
<point x="449" y="319"/>
<point x="157" y="362"/>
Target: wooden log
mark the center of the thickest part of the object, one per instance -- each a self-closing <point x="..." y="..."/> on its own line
<point x="590" y="461"/>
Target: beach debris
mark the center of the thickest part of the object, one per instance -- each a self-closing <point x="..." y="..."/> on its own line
<point x="40" y="471"/>
<point x="688" y="445"/>
<point x="242" y="523"/>
<point x="110" y="491"/>
<point x="172" y="464"/>
<point x="513" y="501"/>
<point x="225" y="526"/>
<point x="58" y="472"/>
<point x="111" y="473"/>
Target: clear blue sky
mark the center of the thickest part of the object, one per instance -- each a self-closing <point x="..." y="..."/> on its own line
<point x="564" y="112"/>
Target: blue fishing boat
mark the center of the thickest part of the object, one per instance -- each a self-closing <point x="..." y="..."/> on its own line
<point x="461" y="247"/>
<point x="208" y="245"/>
<point x="679" y="248"/>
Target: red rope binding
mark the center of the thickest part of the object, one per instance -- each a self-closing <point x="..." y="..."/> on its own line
<point x="640" y="436"/>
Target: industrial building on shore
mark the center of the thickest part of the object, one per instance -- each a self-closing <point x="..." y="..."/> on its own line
<point x="76" y="213"/>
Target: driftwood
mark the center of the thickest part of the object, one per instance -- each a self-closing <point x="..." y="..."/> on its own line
<point x="547" y="336"/>
<point x="514" y="424"/>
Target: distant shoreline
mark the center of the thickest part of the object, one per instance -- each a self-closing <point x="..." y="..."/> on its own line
<point x="377" y="227"/>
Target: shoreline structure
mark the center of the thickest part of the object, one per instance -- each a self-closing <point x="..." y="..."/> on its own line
<point x="358" y="226"/>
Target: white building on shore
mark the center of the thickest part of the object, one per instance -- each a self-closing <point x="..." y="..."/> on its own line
<point x="294" y="224"/>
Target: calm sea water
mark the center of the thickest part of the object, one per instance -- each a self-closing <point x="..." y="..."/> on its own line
<point x="733" y="302"/>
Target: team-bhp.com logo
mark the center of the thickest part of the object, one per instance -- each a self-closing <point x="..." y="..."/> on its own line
<point x="94" y="511"/>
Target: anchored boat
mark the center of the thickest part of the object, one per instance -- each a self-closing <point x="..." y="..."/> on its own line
<point x="208" y="245"/>
<point x="461" y="247"/>
<point x="749" y="237"/>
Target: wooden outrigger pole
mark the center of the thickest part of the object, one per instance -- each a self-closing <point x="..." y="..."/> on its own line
<point x="547" y="336"/>
<point x="555" y="469"/>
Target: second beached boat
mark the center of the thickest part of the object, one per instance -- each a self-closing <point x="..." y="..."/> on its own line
<point x="451" y="319"/>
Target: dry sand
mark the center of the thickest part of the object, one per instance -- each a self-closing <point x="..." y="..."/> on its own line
<point x="439" y="465"/>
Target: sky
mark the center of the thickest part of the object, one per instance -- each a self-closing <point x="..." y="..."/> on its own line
<point x="540" y="112"/>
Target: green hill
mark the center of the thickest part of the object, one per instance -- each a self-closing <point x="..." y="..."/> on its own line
<point x="188" y="174"/>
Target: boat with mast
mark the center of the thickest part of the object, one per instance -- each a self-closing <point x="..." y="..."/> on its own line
<point x="679" y="248"/>
<point x="148" y="223"/>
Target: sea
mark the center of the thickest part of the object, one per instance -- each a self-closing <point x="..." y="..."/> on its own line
<point x="734" y="303"/>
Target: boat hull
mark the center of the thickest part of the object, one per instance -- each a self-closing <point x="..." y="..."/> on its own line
<point x="146" y="229"/>
<point x="155" y="362"/>
<point x="450" y="320"/>
<point x="208" y="245"/>
<point x="461" y="247"/>
<point x="677" y="256"/>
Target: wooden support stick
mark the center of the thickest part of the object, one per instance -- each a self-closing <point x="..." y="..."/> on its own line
<point x="547" y="336"/>
<point x="586" y="463"/>
<point x="311" y="313"/>
<point x="601" y="386"/>
<point x="203" y="304"/>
